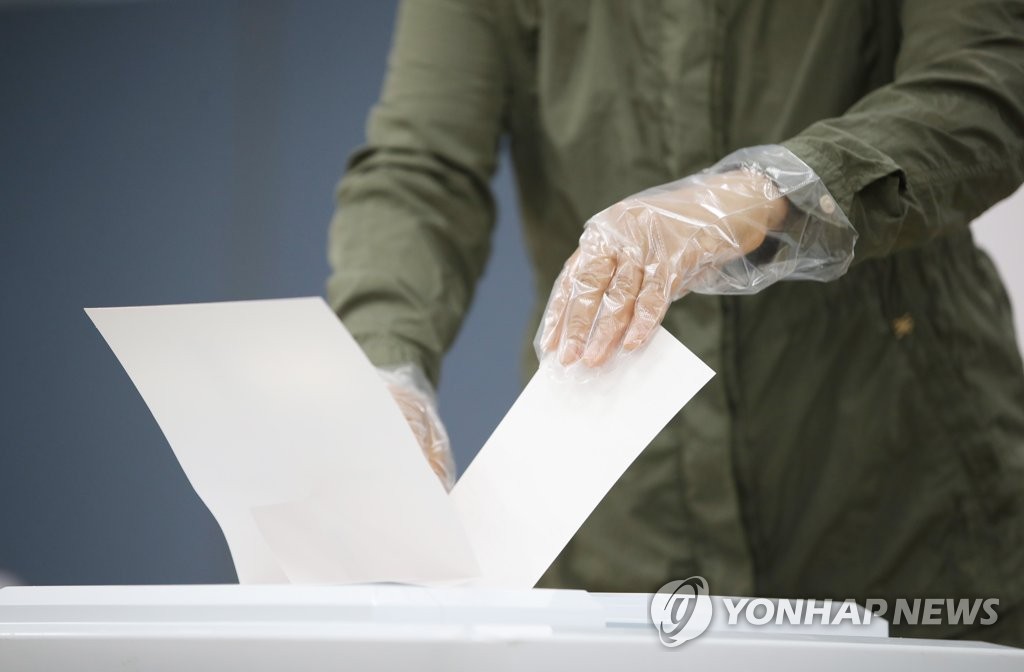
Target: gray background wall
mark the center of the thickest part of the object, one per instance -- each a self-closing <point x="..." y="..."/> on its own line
<point x="165" y="152"/>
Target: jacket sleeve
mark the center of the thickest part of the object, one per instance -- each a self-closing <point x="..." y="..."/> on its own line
<point x="943" y="141"/>
<point x="411" y="233"/>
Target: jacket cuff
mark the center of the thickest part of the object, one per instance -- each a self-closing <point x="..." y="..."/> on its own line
<point x="391" y="351"/>
<point x="868" y="186"/>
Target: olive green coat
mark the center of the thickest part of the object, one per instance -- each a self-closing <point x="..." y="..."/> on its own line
<point x="863" y="438"/>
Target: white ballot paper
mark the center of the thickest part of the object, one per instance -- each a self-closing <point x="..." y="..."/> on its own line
<point x="290" y="437"/>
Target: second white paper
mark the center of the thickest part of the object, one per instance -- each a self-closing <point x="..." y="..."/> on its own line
<point x="559" y="451"/>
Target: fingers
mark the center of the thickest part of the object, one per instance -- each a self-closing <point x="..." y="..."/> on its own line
<point x="551" y="324"/>
<point x="429" y="431"/>
<point x="650" y="308"/>
<point x="444" y="468"/>
<point x="598" y="304"/>
<point x="590" y="280"/>
<point x="437" y="447"/>
<point x="616" y="313"/>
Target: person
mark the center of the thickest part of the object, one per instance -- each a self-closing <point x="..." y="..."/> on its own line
<point x="787" y="188"/>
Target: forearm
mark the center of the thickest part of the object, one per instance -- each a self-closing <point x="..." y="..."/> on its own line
<point x="406" y="248"/>
<point x="411" y="233"/>
<point x="942" y="142"/>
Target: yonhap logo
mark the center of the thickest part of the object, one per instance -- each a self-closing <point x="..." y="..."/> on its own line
<point x="681" y="610"/>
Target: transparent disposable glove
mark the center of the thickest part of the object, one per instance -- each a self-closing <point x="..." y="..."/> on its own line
<point x="758" y="216"/>
<point x="416" y="398"/>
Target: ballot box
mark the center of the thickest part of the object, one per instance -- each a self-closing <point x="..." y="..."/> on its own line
<point x="395" y="627"/>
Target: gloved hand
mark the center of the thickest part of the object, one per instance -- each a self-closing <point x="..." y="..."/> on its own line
<point x="416" y="398"/>
<point x="642" y="253"/>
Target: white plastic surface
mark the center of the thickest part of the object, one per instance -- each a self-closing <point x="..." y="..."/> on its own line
<point x="384" y="627"/>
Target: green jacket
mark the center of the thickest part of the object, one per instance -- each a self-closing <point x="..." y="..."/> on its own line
<point x="863" y="438"/>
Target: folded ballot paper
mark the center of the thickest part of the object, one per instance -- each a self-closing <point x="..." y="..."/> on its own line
<point x="289" y="436"/>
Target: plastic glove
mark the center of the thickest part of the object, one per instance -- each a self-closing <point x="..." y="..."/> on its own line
<point x="416" y="398"/>
<point x="642" y="253"/>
